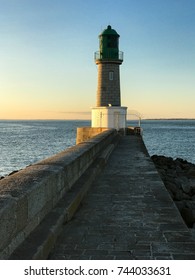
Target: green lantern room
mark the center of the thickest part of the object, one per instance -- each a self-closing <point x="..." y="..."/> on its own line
<point x="109" y="45"/>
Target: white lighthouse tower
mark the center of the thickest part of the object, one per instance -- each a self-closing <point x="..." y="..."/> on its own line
<point x="108" y="112"/>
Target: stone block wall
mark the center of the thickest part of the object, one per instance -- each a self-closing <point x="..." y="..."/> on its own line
<point x="86" y="133"/>
<point x="27" y="196"/>
<point x="108" y="91"/>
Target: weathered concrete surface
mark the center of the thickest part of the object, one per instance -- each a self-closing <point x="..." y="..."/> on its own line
<point x="127" y="214"/>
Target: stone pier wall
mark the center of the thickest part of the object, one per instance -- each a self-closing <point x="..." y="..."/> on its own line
<point x="27" y="196"/>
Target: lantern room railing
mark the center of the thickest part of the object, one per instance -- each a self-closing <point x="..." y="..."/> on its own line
<point x="109" y="55"/>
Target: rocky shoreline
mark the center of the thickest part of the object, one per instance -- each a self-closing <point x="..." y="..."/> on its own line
<point x="179" y="178"/>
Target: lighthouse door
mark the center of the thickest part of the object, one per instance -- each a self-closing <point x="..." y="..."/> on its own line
<point x="116" y="120"/>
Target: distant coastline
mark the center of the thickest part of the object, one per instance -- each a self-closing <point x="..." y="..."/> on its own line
<point x="170" y="119"/>
<point x="143" y="119"/>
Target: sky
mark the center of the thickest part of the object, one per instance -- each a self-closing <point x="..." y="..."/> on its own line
<point x="47" y="68"/>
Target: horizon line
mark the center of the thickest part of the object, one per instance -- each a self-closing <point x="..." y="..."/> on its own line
<point x="78" y="119"/>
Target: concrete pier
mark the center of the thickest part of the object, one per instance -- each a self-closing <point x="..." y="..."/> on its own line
<point x="127" y="214"/>
<point x="35" y="201"/>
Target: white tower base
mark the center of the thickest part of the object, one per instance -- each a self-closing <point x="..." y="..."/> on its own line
<point x="109" y="117"/>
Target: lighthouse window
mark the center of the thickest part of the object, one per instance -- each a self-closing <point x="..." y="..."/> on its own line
<point x="111" y="75"/>
<point x="112" y="41"/>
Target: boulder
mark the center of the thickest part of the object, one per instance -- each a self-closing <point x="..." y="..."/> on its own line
<point x="179" y="196"/>
<point x="191" y="172"/>
<point x="172" y="187"/>
<point x="177" y="181"/>
<point x="192" y="186"/>
<point x="185" y="185"/>
<point x="13" y="172"/>
<point x="188" y="217"/>
<point x="190" y="204"/>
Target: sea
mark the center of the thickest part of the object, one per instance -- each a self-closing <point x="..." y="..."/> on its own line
<point x="24" y="142"/>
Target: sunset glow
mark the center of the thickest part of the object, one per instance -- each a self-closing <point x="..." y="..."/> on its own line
<point x="47" y="69"/>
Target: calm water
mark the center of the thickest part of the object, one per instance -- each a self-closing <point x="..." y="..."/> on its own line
<point x="26" y="142"/>
<point x="170" y="138"/>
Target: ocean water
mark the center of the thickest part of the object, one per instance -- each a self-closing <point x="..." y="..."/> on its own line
<point x="172" y="138"/>
<point x="26" y="142"/>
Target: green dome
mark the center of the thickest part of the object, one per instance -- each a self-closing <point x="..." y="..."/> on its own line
<point x="109" y="31"/>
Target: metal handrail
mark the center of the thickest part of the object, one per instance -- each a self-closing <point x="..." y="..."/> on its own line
<point x="108" y="55"/>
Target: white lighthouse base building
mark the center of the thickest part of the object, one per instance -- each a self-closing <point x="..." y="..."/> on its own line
<point x="109" y="117"/>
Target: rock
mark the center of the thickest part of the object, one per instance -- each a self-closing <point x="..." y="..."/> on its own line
<point x="188" y="217"/>
<point x="181" y="161"/>
<point x="178" y="170"/>
<point x="180" y="205"/>
<point x="162" y="160"/>
<point x="1" y="177"/>
<point x="192" y="182"/>
<point x="193" y="190"/>
<point x="181" y="196"/>
<point x="191" y="172"/>
<point x="190" y="204"/>
<point x="13" y="172"/>
<point x="186" y="187"/>
<point x="171" y="194"/>
<point x="172" y="187"/>
<point x="171" y="173"/>
<point x="177" y="181"/>
<point x="162" y="172"/>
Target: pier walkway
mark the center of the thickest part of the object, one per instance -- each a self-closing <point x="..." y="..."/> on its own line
<point x="127" y="214"/>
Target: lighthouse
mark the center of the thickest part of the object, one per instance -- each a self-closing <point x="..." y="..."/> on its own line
<point x="108" y="112"/>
